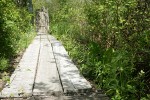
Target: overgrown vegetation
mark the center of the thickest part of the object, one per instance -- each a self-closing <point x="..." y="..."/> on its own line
<point x="110" y="42"/>
<point x="15" y="30"/>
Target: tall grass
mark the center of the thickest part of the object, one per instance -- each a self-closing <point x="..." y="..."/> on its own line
<point x="109" y="42"/>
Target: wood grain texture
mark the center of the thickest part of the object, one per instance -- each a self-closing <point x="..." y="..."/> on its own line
<point x="47" y="79"/>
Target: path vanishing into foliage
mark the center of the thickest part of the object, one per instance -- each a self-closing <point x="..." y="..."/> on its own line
<point x="46" y="71"/>
<point x="108" y="40"/>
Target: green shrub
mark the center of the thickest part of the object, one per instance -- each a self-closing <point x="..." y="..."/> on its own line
<point x="3" y="64"/>
<point x="109" y="40"/>
<point x="15" y="29"/>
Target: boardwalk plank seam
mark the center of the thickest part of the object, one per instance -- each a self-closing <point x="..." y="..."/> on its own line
<point x="37" y="64"/>
<point x="68" y="75"/>
<point x="21" y="80"/>
<point x="47" y="81"/>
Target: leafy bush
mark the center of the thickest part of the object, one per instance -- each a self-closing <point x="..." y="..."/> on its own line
<point x="109" y="40"/>
<point x="123" y="28"/>
<point x="15" y="29"/>
<point x="3" y="64"/>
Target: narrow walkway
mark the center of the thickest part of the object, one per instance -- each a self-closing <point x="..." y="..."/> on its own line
<point x="45" y="70"/>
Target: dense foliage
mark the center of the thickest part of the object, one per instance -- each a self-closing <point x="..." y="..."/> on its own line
<point x="110" y="42"/>
<point x="15" y="29"/>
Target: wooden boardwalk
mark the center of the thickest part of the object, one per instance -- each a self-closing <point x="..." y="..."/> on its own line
<point x="46" y="70"/>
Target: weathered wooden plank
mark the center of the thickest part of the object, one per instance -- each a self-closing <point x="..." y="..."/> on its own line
<point x="21" y="81"/>
<point x="69" y="73"/>
<point x="66" y="83"/>
<point x="47" y="79"/>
